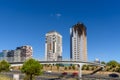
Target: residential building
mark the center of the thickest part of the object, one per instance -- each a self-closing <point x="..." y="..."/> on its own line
<point x="20" y="54"/>
<point x="53" y="46"/>
<point x="78" y="42"/>
<point x="1" y="56"/>
<point x="26" y="52"/>
<point x="10" y="56"/>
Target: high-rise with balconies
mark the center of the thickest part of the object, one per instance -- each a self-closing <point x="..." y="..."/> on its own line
<point x="53" y="46"/>
<point x="78" y="42"/>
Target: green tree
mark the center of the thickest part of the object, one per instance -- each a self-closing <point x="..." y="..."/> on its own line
<point x="73" y="67"/>
<point x="118" y="69"/>
<point x="112" y="64"/>
<point x="31" y="68"/>
<point x="58" y="66"/>
<point x="103" y="62"/>
<point x="70" y="68"/>
<point x="107" y="69"/>
<point x="92" y="68"/>
<point x="87" y="67"/>
<point x="4" y="66"/>
<point x="84" y="67"/>
<point x="65" y="68"/>
<point x="51" y="66"/>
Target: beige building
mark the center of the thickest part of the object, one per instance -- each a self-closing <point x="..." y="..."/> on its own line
<point x="20" y="54"/>
<point x="53" y="46"/>
<point x="78" y="42"/>
<point x="25" y="52"/>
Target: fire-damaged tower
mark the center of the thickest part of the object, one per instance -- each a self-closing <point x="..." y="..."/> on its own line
<point x="78" y="42"/>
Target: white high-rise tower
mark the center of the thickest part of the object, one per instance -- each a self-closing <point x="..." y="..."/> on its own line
<point x="78" y="43"/>
<point x="53" y="46"/>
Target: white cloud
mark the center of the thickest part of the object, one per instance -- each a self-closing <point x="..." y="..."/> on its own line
<point x="58" y="14"/>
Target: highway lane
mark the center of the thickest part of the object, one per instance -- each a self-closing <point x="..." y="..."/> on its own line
<point x="48" y="75"/>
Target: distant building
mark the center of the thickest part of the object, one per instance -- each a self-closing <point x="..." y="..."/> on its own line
<point x="25" y="52"/>
<point x="20" y="54"/>
<point x="78" y="42"/>
<point x="53" y="46"/>
<point x="10" y="56"/>
<point x="1" y="56"/>
<point x="5" y="52"/>
<point x="17" y="55"/>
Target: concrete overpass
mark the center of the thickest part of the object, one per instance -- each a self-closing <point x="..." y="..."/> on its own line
<point x="80" y="63"/>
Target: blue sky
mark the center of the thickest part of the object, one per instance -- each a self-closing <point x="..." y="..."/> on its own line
<point x="25" y="22"/>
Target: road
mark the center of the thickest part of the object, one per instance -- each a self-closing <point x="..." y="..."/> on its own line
<point x="56" y="76"/>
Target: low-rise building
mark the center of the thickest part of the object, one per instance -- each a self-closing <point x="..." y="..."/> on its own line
<point x="20" y="54"/>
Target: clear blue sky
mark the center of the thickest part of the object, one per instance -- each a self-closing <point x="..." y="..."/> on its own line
<point x="25" y="22"/>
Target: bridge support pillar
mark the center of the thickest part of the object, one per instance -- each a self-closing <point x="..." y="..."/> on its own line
<point x="80" y="71"/>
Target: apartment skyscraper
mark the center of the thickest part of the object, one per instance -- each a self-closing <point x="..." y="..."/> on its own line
<point x="78" y="42"/>
<point x="53" y="46"/>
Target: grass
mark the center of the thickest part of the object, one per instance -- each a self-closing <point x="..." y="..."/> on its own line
<point x="3" y="77"/>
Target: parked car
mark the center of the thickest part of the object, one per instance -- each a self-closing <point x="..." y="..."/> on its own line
<point x="64" y="73"/>
<point x="75" y="74"/>
<point x="113" y="75"/>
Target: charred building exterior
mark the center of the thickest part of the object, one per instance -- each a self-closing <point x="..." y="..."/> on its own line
<point x="53" y="46"/>
<point x="78" y="42"/>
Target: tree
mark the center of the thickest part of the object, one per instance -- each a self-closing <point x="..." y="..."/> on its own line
<point x="58" y="66"/>
<point x="4" y="66"/>
<point x="92" y="68"/>
<point x="87" y="67"/>
<point x="51" y="66"/>
<point x="84" y="67"/>
<point x="103" y="62"/>
<point x="31" y="68"/>
<point x="112" y="64"/>
<point x="70" y="68"/>
<point x="65" y="68"/>
<point x="118" y="69"/>
<point x="73" y="67"/>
